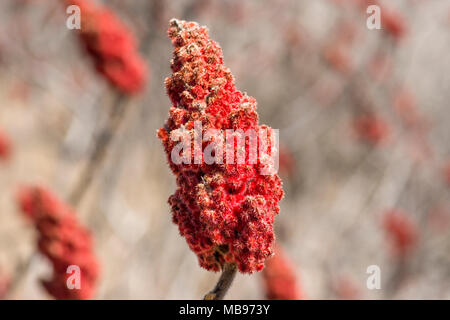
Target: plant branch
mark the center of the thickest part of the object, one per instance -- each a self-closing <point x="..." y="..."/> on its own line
<point x="101" y="146"/>
<point x="224" y="283"/>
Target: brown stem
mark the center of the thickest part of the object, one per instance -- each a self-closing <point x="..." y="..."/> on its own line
<point x="224" y="283"/>
<point x="101" y="146"/>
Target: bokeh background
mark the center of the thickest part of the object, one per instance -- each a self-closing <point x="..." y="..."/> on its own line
<point x="364" y="129"/>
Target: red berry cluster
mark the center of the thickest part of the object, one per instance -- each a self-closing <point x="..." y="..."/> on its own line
<point x="4" y="284"/>
<point x="280" y="279"/>
<point x="401" y="230"/>
<point x="5" y="146"/>
<point x="225" y="211"/>
<point x="63" y="241"/>
<point x="371" y="128"/>
<point x="112" y="47"/>
<point x="346" y="289"/>
<point x="394" y="23"/>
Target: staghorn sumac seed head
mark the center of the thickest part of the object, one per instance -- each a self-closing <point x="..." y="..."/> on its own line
<point x="5" y="146"/>
<point x="401" y="231"/>
<point x="394" y="23"/>
<point x="371" y="129"/>
<point x="224" y="210"/>
<point x="63" y="240"/>
<point x="280" y="279"/>
<point x="5" y="283"/>
<point x="112" y="47"/>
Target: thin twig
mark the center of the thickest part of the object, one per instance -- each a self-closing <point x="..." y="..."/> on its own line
<point x="21" y="272"/>
<point x="224" y="283"/>
<point x="101" y="146"/>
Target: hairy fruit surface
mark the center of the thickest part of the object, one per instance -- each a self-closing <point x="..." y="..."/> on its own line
<point x="63" y="241"/>
<point x="112" y="47"/>
<point x="224" y="210"/>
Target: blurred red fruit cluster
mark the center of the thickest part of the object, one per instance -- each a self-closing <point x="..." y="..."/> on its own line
<point x="112" y="46"/>
<point x="371" y="129"/>
<point x="338" y="56"/>
<point x="401" y="231"/>
<point x="394" y="23"/>
<point x="287" y="162"/>
<point x="338" y="53"/>
<point x="4" y="284"/>
<point x="405" y="106"/>
<point x="63" y="241"/>
<point x="346" y="289"/>
<point x="5" y="146"/>
<point x="280" y="279"/>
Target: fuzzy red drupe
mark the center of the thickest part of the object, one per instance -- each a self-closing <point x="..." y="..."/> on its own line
<point x="225" y="211"/>
<point x="63" y="241"/>
<point x="112" y="46"/>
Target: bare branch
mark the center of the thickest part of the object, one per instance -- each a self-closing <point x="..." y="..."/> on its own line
<point x="224" y="283"/>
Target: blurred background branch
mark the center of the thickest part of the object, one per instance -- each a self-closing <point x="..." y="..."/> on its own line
<point x="363" y="117"/>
